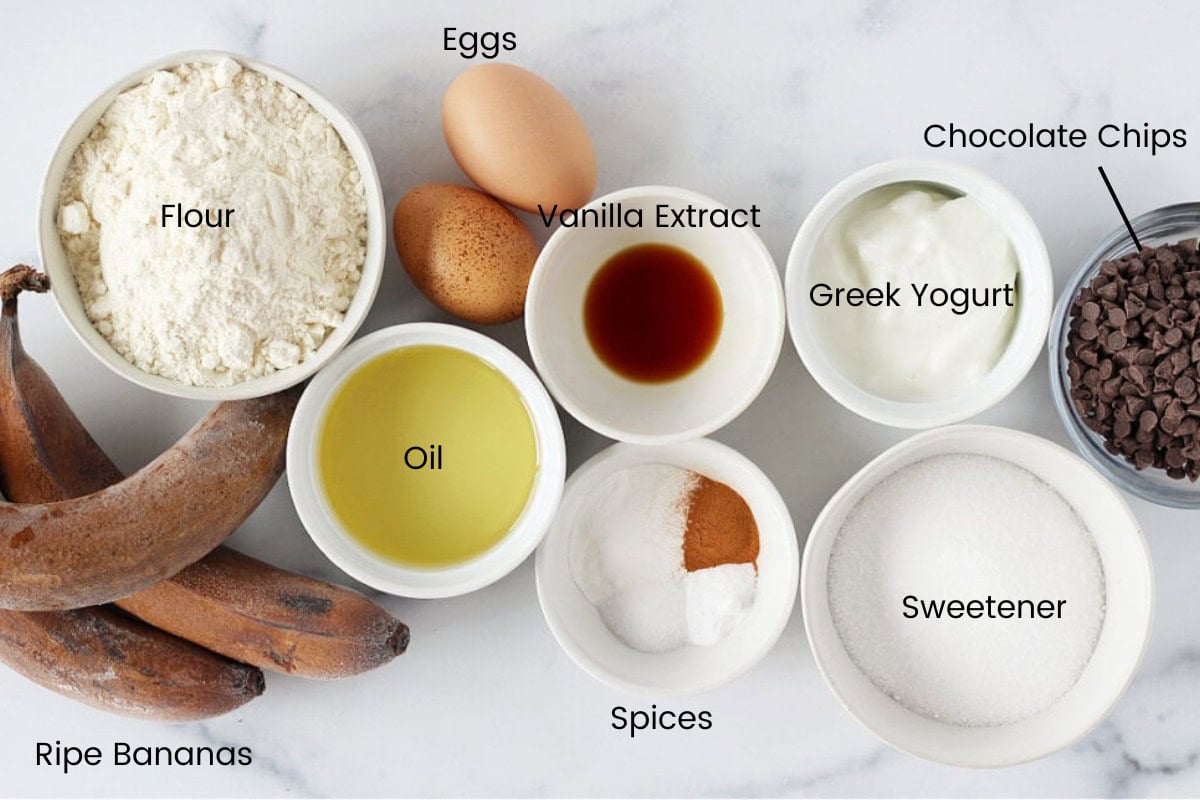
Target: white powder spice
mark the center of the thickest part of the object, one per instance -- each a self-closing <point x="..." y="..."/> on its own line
<point x="651" y="617"/>
<point x="717" y="600"/>
<point x="965" y="527"/>
<point x="631" y="531"/>
<point x="214" y="306"/>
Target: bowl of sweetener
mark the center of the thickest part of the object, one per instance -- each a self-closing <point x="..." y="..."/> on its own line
<point x="977" y="596"/>
<point x="212" y="227"/>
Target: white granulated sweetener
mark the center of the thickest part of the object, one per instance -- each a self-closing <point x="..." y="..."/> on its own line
<point x="965" y="527"/>
<point x="626" y="556"/>
<point x="214" y="306"/>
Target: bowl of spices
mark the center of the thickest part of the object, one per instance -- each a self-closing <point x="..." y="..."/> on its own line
<point x="212" y="227"/>
<point x="919" y="293"/>
<point x="977" y="596"/>
<point x="655" y="314"/>
<point x="670" y="569"/>
<point x="1125" y="357"/>
<point x="426" y="460"/>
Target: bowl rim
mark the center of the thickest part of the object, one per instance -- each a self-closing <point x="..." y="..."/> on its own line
<point x="1034" y="273"/>
<point x="761" y="258"/>
<point x="678" y="454"/>
<point x="457" y="579"/>
<point x="876" y="470"/>
<point x="60" y="272"/>
<point x="1087" y="442"/>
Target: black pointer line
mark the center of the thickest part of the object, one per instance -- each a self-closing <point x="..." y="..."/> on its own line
<point x="1124" y="218"/>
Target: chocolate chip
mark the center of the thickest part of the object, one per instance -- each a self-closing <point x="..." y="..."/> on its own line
<point x="1091" y="311"/>
<point x="1179" y="362"/>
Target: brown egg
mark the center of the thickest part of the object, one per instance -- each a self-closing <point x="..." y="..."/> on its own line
<point x="518" y="138"/>
<point x="465" y="251"/>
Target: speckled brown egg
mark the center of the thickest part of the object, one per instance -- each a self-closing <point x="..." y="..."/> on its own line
<point x="465" y="251"/>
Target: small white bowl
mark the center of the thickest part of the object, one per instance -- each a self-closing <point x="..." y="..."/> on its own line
<point x="388" y="576"/>
<point x="654" y="413"/>
<point x="581" y="632"/>
<point x="1035" y="294"/>
<point x="1129" y="601"/>
<point x="62" y="280"/>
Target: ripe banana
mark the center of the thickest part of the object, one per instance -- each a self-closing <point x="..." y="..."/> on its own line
<point x="251" y="611"/>
<point x="228" y="602"/>
<point x="107" y="660"/>
<point x="111" y="543"/>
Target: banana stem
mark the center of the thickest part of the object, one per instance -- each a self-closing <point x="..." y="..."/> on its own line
<point x="21" y="278"/>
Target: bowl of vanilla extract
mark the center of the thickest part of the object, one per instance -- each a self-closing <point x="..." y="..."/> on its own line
<point x="655" y="332"/>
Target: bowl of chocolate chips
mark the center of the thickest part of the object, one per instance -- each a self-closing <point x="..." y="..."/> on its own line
<point x="1125" y="357"/>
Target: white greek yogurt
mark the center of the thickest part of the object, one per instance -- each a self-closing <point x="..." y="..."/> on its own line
<point x="913" y="292"/>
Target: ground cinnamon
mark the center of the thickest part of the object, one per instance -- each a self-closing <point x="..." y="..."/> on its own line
<point x="720" y="528"/>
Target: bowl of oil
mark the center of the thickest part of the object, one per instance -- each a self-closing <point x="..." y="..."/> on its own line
<point x="426" y="460"/>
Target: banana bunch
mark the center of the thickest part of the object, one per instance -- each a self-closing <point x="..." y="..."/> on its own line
<point x="115" y="590"/>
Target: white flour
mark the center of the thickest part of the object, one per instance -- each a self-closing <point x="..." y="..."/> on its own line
<point x="214" y="306"/>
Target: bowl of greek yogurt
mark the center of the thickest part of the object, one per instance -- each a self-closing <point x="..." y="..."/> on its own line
<point x="919" y="293"/>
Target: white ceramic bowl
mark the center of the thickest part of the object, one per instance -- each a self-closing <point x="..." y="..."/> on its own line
<point x="691" y="669"/>
<point x="62" y="281"/>
<point x="694" y="405"/>
<point x="388" y="576"/>
<point x="1129" y="587"/>
<point x="1035" y="294"/>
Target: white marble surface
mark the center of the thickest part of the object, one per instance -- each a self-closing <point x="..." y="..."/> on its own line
<point x="769" y="104"/>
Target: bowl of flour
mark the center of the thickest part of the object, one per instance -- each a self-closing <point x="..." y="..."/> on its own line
<point x="213" y="227"/>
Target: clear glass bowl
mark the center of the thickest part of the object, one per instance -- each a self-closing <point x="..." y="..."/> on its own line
<point x="1165" y="225"/>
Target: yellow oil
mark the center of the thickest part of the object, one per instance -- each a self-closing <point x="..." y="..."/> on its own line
<point x="427" y="507"/>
